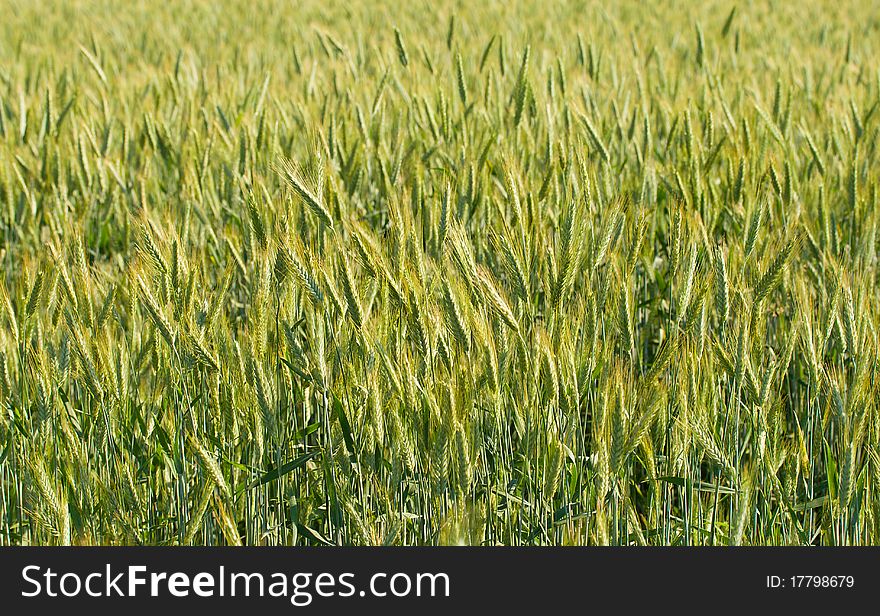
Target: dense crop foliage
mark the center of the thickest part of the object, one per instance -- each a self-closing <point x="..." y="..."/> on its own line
<point x="508" y="273"/>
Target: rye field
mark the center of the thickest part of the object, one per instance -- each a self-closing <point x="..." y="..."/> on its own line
<point x="495" y="273"/>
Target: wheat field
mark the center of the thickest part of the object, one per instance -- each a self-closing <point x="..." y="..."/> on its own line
<point x="526" y="273"/>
